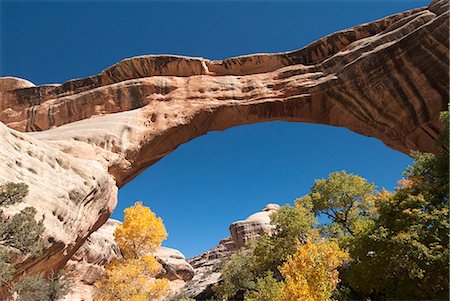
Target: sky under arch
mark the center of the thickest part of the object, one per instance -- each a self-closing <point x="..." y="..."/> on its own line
<point x="222" y="176"/>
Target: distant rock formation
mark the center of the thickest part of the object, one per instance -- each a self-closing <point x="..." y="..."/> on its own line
<point x="207" y="265"/>
<point x="253" y="226"/>
<point x="88" y="137"/>
<point x="207" y="269"/>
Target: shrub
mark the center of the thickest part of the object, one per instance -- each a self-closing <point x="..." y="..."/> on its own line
<point x="11" y="193"/>
<point x="39" y="287"/>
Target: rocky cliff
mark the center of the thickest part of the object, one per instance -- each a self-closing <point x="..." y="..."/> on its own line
<point x="86" y="138"/>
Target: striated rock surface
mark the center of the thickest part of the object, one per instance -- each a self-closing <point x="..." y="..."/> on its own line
<point x="74" y="196"/>
<point x="253" y="226"/>
<point x="386" y="79"/>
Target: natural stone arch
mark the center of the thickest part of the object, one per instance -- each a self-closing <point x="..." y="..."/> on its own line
<point x="387" y="79"/>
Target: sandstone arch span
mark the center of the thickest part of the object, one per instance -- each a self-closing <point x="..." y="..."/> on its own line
<point x="387" y="79"/>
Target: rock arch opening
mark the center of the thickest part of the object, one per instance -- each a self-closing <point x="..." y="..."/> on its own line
<point x="221" y="177"/>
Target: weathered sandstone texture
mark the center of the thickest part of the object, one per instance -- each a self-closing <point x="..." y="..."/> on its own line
<point x="74" y="196"/>
<point x="253" y="226"/>
<point x="386" y="79"/>
<point x="88" y="263"/>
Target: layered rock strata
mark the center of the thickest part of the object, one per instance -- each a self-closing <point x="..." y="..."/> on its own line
<point x="207" y="270"/>
<point x="386" y="79"/>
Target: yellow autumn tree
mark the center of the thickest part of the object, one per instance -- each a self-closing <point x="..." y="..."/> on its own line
<point x="140" y="233"/>
<point x="132" y="278"/>
<point x="311" y="273"/>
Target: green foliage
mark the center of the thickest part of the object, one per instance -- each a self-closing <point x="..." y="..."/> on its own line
<point x="181" y="297"/>
<point x="293" y="224"/>
<point x="238" y="275"/>
<point x="247" y="268"/>
<point x="39" y="287"/>
<point x="22" y="232"/>
<point x="404" y="254"/>
<point x="443" y="139"/>
<point x="6" y="266"/>
<point x="266" y="289"/>
<point x="346" y="199"/>
<point x="11" y="193"/>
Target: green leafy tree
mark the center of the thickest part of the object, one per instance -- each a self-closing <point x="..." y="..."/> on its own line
<point x="6" y="266"/>
<point x="346" y="199"/>
<point x="293" y="224"/>
<point x="21" y="234"/>
<point x="238" y="275"/>
<point x="405" y="253"/>
<point x="267" y="288"/>
<point x="246" y="269"/>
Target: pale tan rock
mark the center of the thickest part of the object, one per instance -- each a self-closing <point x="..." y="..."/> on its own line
<point x="75" y="196"/>
<point x="88" y="263"/>
<point x="10" y="83"/>
<point x="253" y="226"/>
<point x="174" y="264"/>
<point x="207" y="269"/>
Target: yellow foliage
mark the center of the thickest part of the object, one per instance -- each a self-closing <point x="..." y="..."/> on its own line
<point x="131" y="280"/>
<point x="311" y="273"/>
<point x="140" y="233"/>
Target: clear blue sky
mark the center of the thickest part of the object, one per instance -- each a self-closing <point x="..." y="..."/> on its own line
<point x="223" y="176"/>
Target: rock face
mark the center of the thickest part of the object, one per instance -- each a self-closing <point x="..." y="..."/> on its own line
<point x="386" y="79"/>
<point x="174" y="264"/>
<point x="75" y="196"/>
<point x="88" y="263"/>
<point x="253" y="226"/>
<point x="192" y="277"/>
<point x="207" y="265"/>
<point x="207" y="269"/>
